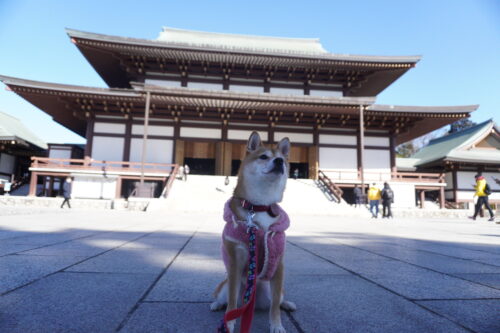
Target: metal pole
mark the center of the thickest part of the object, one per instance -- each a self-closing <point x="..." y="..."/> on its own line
<point x="362" y="146"/>
<point x="145" y="136"/>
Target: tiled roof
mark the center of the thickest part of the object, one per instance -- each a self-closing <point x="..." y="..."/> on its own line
<point x="11" y="128"/>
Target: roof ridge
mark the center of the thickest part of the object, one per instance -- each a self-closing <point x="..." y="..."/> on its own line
<point x="459" y="133"/>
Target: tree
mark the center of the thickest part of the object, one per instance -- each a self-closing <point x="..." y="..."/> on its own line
<point x="406" y="149"/>
<point x="460" y="125"/>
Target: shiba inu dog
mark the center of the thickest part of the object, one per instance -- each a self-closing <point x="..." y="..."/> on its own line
<point x="261" y="182"/>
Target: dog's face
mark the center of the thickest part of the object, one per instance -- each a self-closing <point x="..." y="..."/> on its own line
<point x="264" y="170"/>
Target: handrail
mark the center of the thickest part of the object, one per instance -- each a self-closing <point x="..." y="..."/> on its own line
<point x="350" y="175"/>
<point x="331" y="186"/>
<point x="451" y="205"/>
<point x="105" y="166"/>
<point x="170" y="181"/>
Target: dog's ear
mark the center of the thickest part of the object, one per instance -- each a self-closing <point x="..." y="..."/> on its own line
<point x="253" y="142"/>
<point x="284" y="146"/>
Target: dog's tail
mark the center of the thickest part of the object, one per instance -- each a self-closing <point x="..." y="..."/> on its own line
<point x="219" y="287"/>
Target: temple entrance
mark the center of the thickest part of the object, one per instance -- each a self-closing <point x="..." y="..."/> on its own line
<point x="299" y="161"/>
<point x="200" y="157"/>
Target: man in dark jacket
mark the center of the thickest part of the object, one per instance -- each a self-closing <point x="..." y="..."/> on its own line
<point x="387" y="200"/>
<point x="358" y="196"/>
<point x="66" y="192"/>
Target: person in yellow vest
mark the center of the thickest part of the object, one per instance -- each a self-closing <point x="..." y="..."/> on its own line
<point x="374" y="196"/>
<point x="482" y="192"/>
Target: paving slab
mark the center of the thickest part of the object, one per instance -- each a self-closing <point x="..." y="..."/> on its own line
<point x="18" y="270"/>
<point x="492" y="280"/>
<point x="340" y="303"/>
<point x="133" y="257"/>
<point x="72" y="302"/>
<point x="481" y="316"/>
<point x="188" y="317"/>
<point x="190" y="280"/>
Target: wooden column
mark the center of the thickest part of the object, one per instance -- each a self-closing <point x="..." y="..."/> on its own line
<point x="145" y="136"/>
<point x="179" y="152"/>
<point x="219" y="158"/>
<point x="392" y="152"/>
<point x="118" y="188"/>
<point x="228" y="159"/>
<point x="361" y="147"/>
<point x="455" y="185"/>
<point x="128" y="141"/>
<point x="422" y="198"/>
<point x="441" y="197"/>
<point x="33" y="183"/>
<point x="89" y="135"/>
<point x="313" y="161"/>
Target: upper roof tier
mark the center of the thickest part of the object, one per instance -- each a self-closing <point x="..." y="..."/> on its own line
<point x="234" y="42"/>
<point x="72" y="106"/>
<point x="121" y="60"/>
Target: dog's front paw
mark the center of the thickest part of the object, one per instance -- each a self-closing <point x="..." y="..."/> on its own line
<point x="216" y="306"/>
<point x="288" y="306"/>
<point x="277" y="329"/>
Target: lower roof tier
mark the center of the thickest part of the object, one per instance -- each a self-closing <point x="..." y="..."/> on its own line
<point x="72" y="107"/>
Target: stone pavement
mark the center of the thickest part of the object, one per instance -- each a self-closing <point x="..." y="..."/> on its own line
<point x="112" y="271"/>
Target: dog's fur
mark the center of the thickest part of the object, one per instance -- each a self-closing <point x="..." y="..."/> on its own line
<point x="261" y="180"/>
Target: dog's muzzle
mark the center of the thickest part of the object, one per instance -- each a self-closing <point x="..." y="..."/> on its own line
<point x="278" y="166"/>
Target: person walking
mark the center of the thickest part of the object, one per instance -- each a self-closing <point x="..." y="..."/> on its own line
<point x="358" y="196"/>
<point x="66" y="192"/>
<point x="374" y="196"/>
<point x="482" y="192"/>
<point x="186" y="172"/>
<point x="295" y="173"/>
<point x="387" y="200"/>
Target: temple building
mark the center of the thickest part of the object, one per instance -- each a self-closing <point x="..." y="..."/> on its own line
<point x="461" y="156"/>
<point x="193" y="98"/>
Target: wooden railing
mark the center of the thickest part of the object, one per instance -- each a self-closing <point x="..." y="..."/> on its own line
<point x="330" y="186"/>
<point x="451" y="205"/>
<point x="170" y="181"/>
<point x="104" y="166"/>
<point x="355" y="175"/>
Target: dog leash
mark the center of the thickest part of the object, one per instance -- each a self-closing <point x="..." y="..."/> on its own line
<point x="246" y="311"/>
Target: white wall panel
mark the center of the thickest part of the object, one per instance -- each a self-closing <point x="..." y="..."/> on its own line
<point x="294" y="137"/>
<point x="153" y="130"/>
<point x="244" y="135"/>
<point x="377" y="164"/>
<point x="404" y="195"/>
<point x="338" y="158"/>
<point x="376" y="141"/>
<point x="244" y="88"/>
<point x="164" y="83"/>
<point x="157" y="151"/>
<point x="465" y="179"/>
<point x="109" y="128"/>
<point x="60" y="153"/>
<point x="338" y="139"/>
<point x="207" y="133"/>
<point x="286" y="91"/>
<point x="93" y="187"/>
<point x="325" y="93"/>
<point x="448" y="178"/>
<point x="205" y="85"/>
<point x="107" y="148"/>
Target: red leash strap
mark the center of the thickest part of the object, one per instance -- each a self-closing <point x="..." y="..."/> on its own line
<point x="247" y="310"/>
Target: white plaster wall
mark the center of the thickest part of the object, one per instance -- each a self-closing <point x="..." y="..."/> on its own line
<point x="337" y="139"/>
<point x="377" y="164"/>
<point x="157" y="151"/>
<point x="465" y="195"/>
<point x="286" y="91"/>
<point x="7" y="163"/>
<point x="107" y="149"/>
<point x="109" y="128"/>
<point x="448" y="178"/>
<point x="244" y="135"/>
<point x="448" y="195"/>
<point x="60" y="153"/>
<point x="294" y="137"/>
<point x="93" y="187"/>
<point x="376" y="141"/>
<point x="244" y="88"/>
<point x="163" y="83"/>
<point x="153" y="130"/>
<point x="465" y="179"/>
<point x="205" y="86"/>
<point x="339" y="158"/>
<point x="325" y="93"/>
<point x="404" y="195"/>
<point x="206" y="133"/>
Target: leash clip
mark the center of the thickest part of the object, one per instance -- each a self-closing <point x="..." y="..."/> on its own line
<point x="250" y="223"/>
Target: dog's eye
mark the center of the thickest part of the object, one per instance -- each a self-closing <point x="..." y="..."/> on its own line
<point x="263" y="157"/>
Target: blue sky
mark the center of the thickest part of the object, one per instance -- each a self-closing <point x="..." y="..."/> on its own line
<point x="458" y="39"/>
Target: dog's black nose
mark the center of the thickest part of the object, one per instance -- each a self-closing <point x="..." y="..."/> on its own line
<point x="278" y="162"/>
